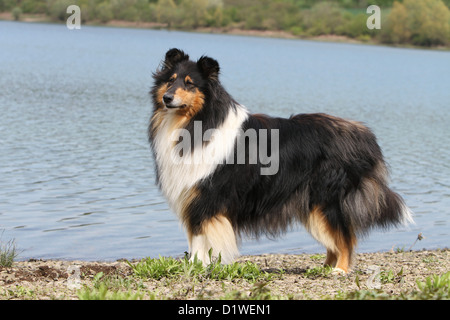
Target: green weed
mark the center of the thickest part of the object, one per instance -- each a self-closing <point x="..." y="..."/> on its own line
<point x="104" y="293"/>
<point x="170" y="268"/>
<point x="259" y="291"/>
<point x="434" y="288"/>
<point x="8" y="252"/>
<point x="321" y="271"/>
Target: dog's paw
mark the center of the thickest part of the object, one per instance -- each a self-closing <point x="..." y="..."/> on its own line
<point x="338" y="271"/>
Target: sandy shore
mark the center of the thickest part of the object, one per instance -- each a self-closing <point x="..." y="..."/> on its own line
<point x="397" y="272"/>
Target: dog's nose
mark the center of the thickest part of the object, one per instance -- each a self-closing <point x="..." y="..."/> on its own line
<point x="168" y="98"/>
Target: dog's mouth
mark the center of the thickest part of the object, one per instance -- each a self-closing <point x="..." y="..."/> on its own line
<point x="170" y="106"/>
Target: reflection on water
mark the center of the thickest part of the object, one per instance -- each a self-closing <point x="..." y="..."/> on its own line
<point x="77" y="178"/>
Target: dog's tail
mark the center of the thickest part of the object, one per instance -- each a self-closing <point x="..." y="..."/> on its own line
<point x="374" y="204"/>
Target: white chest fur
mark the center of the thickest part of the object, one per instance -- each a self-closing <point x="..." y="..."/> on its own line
<point x="178" y="174"/>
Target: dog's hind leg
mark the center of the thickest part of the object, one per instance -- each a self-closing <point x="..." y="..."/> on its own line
<point x="331" y="259"/>
<point x="344" y="252"/>
<point x="217" y="234"/>
<point x="339" y="246"/>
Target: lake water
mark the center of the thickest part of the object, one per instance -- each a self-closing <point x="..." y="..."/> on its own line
<point x="76" y="173"/>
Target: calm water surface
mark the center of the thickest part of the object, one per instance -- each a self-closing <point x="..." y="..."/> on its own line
<point x="76" y="174"/>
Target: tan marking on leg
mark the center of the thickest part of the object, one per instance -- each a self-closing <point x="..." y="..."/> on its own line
<point x="217" y="234"/>
<point x="339" y="249"/>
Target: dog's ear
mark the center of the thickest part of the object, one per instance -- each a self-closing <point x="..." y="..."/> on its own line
<point x="208" y="67"/>
<point x="174" y="56"/>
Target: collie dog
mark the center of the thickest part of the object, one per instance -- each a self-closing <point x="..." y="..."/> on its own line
<point x="226" y="172"/>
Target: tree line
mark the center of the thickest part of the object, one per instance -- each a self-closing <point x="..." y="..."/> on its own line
<point x="416" y="22"/>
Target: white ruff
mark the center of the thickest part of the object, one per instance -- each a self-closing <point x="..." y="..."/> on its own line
<point x="176" y="177"/>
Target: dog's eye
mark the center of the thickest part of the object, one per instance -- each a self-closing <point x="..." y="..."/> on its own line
<point x="171" y="80"/>
<point x="189" y="83"/>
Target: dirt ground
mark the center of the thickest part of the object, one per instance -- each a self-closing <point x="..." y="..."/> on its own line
<point x="389" y="272"/>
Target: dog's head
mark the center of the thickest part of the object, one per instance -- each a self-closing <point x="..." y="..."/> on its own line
<point x="181" y="84"/>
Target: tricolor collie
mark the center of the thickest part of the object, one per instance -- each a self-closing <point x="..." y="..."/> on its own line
<point x="322" y="171"/>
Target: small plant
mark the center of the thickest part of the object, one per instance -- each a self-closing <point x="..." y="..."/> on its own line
<point x="110" y="287"/>
<point x="8" y="253"/>
<point x="318" y="257"/>
<point x="430" y="259"/>
<point x="259" y="291"/>
<point x="420" y="237"/>
<point x="103" y="293"/>
<point x="434" y="288"/>
<point x="322" y="271"/>
<point x="390" y="276"/>
<point x="363" y="295"/>
<point x="20" y="292"/>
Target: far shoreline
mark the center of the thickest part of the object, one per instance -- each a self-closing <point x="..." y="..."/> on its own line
<point x="276" y="34"/>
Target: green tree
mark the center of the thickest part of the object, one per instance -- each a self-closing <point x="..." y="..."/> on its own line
<point x="355" y="26"/>
<point x="323" y="18"/>
<point x="104" y="11"/>
<point x="423" y="23"/>
<point x="16" y="12"/>
<point x="194" y="13"/>
<point x="33" y="6"/>
<point x="165" y="11"/>
<point x="57" y="9"/>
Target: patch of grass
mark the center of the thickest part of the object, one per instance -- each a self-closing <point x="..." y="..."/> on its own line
<point x="399" y="249"/>
<point x="316" y="257"/>
<point x="114" y="281"/>
<point x="111" y="287"/>
<point x="258" y="292"/>
<point x="430" y="259"/>
<point x="170" y="268"/>
<point x="171" y="271"/>
<point x="390" y="277"/>
<point x="19" y="292"/>
<point x="363" y="295"/>
<point x="104" y="293"/>
<point x="8" y="252"/>
<point x="321" y="271"/>
<point x="433" y="288"/>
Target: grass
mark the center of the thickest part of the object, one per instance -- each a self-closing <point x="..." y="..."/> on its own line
<point x="259" y="291"/>
<point x="169" y="278"/>
<point x="320" y="271"/>
<point x="435" y="287"/>
<point x="170" y="268"/>
<point x="170" y="271"/>
<point x="166" y="272"/>
<point x="8" y="252"/>
<point x="105" y="293"/>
